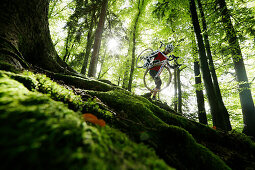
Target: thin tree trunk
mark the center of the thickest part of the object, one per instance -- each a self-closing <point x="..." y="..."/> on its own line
<point x="208" y="52"/>
<point x="179" y="90"/>
<point x="200" y="95"/>
<point x="89" y="44"/>
<point x="133" y="57"/>
<point x="66" y="46"/>
<point x="126" y="74"/>
<point x="198" y="84"/>
<point x="102" y="64"/>
<point x="134" y="45"/>
<point x="211" y="64"/>
<point x="245" y="95"/>
<point x="216" y="110"/>
<point x="97" y="42"/>
<point x="175" y="89"/>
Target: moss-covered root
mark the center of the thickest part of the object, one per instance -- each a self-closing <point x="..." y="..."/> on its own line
<point x="39" y="133"/>
<point x="174" y="144"/>
<point x="179" y="149"/>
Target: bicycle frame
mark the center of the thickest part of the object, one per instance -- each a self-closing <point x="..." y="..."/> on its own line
<point x="163" y="64"/>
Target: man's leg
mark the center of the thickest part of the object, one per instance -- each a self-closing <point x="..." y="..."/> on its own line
<point x="158" y="83"/>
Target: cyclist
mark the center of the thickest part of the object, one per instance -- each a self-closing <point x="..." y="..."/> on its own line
<point x="154" y="70"/>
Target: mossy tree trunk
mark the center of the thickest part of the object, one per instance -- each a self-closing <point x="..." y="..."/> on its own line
<point x="218" y="111"/>
<point x="24" y="25"/>
<point x="245" y="95"/>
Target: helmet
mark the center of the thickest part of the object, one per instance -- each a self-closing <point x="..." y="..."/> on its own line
<point x="169" y="48"/>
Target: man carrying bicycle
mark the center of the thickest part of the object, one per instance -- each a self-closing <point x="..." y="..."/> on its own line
<point x="154" y="70"/>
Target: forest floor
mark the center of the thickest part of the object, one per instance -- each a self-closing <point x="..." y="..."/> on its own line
<point x="50" y="111"/>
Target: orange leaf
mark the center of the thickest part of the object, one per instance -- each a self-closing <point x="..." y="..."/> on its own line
<point x="101" y="122"/>
<point x="93" y="119"/>
<point x="87" y="116"/>
<point x="214" y="127"/>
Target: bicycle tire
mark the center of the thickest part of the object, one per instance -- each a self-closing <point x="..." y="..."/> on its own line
<point x="141" y="56"/>
<point x="149" y="84"/>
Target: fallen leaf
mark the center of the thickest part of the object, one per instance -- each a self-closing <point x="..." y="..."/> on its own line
<point x="93" y="119"/>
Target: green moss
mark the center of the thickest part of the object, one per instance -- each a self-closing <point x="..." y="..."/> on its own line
<point x="26" y="80"/>
<point x="144" y="121"/>
<point x="7" y="67"/>
<point x="180" y="148"/>
<point x="169" y="134"/>
<point x="40" y="133"/>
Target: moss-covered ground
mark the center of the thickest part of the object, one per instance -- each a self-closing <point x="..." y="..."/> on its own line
<point x="42" y="127"/>
<point x="40" y="133"/>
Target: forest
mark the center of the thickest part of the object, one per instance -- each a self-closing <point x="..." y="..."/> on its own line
<point x="73" y="97"/>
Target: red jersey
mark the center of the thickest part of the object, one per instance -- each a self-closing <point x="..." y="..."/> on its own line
<point x="159" y="57"/>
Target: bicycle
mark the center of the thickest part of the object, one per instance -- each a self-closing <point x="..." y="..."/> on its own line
<point x="145" y="60"/>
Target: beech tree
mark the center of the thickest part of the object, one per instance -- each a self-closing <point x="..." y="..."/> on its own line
<point x="97" y="42"/>
<point x="25" y="35"/>
<point x="198" y="85"/>
<point x="141" y="4"/>
<point x="247" y="104"/>
<point x="219" y="112"/>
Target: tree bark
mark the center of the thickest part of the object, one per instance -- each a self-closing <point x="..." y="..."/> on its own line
<point x="89" y="44"/>
<point x="24" y="24"/>
<point x="102" y="64"/>
<point x="97" y="42"/>
<point x="179" y="90"/>
<point x="175" y="89"/>
<point x="198" y="85"/>
<point x="208" y="52"/>
<point x="134" y="32"/>
<point x="200" y="96"/>
<point x="245" y="95"/>
<point x="211" y="63"/>
<point x="199" y="91"/>
<point x="216" y="110"/>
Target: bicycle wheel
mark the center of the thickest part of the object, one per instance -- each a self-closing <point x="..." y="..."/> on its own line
<point x="165" y="77"/>
<point x="140" y="59"/>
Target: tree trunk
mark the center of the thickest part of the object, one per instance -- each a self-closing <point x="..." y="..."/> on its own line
<point x="126" y="73"/>
<point x="140" y="5"/>
<point x="199" y="90"/>
<point x="133" y="56"/>
<point x="216" y="111"/>
<point x="24" y="25"/>
<point x="66" y="46"/>
<point x="244" y="86"/>
<point x="89" y="44"/>
<point x="179" y="90"/>
<point x="97" y="41"/>
<point x="211" y="64"/>
<point x="175" y="89"/>
<point x="102" y="64"/>
<point x="200" y="96"/>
